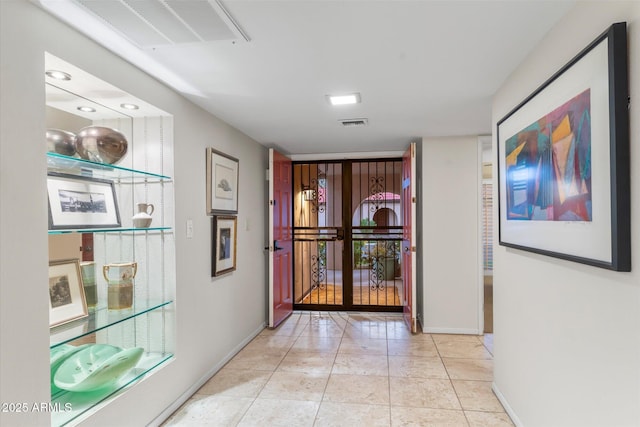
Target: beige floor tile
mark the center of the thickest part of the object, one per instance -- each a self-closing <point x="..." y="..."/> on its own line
<point x="456" y="337"/>
<point x="417" y="367"/>
<point x="411" y="347"/>
<point x="397" y="330"/>
<point x="317" y="344"/>
<point x="477" y="396"/>
<point x="488" y="419"/>
<point x="366" y="318"/>
<point x="333" y="319"/>
<point x="461" y="346"/>
<point x="469" y="369"/>
<point x="361" y="364"/>
<point x="487" y="340"/>
<point x="346" y="369"/>
<point x="363" y="346"/>
<point x="237" y="383"/>
<point x="373" y="330"/>
<point x="333" y="414"/>
<point x="423" y="393"/>
<point x="357" y="389"/>
<point x="205" y="410"/>
<point x="259" y="360"/>
<point x="421" y="417"/>
<point x="311" y="363"/>
<point x="295" y="386"/>
<point x="292" y="329"/>
<point x="280" y="413"/>
<point x="322" y="330"/>
<point x="269" y="342"/>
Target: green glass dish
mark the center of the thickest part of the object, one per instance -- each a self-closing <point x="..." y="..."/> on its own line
<point x="96" y="367"/>
<point x="57" y="356"/>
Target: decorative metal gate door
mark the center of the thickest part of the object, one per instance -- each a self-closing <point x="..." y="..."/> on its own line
<point x="347" y="233"/>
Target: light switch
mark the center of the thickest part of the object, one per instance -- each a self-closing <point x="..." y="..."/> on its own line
<point x="246" y="224"/>
<point x="189" y="229"/>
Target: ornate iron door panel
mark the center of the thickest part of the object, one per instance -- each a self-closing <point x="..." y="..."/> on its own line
<point x="347" y="235"/>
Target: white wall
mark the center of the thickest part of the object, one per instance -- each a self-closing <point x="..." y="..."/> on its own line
<point x="449" y="201"/>
<point x="214" y="317"/>
<point x="567" y="346"/>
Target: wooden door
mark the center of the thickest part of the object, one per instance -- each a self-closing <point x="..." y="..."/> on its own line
<point x="409" y="236"/>
<point x="280" y="239"/>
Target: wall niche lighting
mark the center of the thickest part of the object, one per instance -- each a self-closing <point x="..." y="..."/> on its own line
<point x="58" y="75"/>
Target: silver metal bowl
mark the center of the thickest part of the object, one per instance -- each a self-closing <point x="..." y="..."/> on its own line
<point x="101" y="144"/>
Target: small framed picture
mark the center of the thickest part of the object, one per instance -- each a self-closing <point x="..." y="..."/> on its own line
<point x="81" y="202"/>
<point x="224" y="245"/>
<point x="66" y="294"/>
<point x="222" y="183"/>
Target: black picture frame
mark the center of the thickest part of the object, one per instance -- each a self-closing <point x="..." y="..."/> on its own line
<point x="563" y="187"/>
<point x="80" y="202"/>
<point x="223" y="244"/>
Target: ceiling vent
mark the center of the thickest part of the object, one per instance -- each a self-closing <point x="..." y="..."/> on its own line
<point x="354" y="122"/>
<point x="154" y="23"/>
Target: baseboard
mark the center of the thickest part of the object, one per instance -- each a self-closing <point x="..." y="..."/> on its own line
<point x="162" y="417"/>
<point x="508" y="409"/>
<point x="456" y="331"/>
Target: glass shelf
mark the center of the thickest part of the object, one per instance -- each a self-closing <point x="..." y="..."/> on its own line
<point x="110" y="230"/>
<point x="76" y="166"/>
<point x="67" y="406"/>
<point x="102" y="318"/>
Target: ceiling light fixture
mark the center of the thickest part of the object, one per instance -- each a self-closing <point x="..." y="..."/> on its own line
<point x="59" y="75"/>
<point x="352" y="98"/>
<point x="129" y="106"/>
<point x="87" y="109"/>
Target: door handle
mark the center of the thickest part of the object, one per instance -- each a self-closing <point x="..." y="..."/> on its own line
<point x="276" y="247"/>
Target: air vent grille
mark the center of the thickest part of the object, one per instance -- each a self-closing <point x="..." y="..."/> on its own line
<point x="152" y="23"/>
<point x="354" y="122"/>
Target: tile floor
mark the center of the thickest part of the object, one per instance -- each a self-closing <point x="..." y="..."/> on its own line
<point x="350" y="369"/>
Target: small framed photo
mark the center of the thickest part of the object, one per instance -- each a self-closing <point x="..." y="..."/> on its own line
<point x="222" y="183"/>
<point x="81" y="202"/>
<point x="224" y="245"/>
<point x="66" y="294"/>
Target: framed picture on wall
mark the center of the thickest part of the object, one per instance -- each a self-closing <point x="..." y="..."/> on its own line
<point x="66" y="293"/>
<point x="222" y="183"/>
<point x="563" y="161"/>
<point x="223" y="253"/>
<point x="81" y="202"/>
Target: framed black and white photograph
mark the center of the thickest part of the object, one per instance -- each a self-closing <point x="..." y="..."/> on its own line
<point x="81" y="202"/>
<point x="223" y="254"/>
<point x="563" y="161"/>
<point x="222" y="183"/>
<point x="66" y="293"/>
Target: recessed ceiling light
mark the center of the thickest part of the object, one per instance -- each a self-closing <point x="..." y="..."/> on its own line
<point x="87" y="109"/>
<point x="352" y="98"/>
<point x="59" y="75"/>
<point x="129" y="106"/>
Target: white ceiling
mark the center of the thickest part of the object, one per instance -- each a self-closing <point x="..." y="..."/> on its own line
<point x="423" y="68"/>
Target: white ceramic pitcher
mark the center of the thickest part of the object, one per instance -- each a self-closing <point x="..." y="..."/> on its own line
<point x="143" y="218"/>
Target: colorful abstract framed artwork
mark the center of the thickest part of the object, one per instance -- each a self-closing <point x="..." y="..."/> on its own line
<point x="222" y="183"/>
<point x="563" y="161"/>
